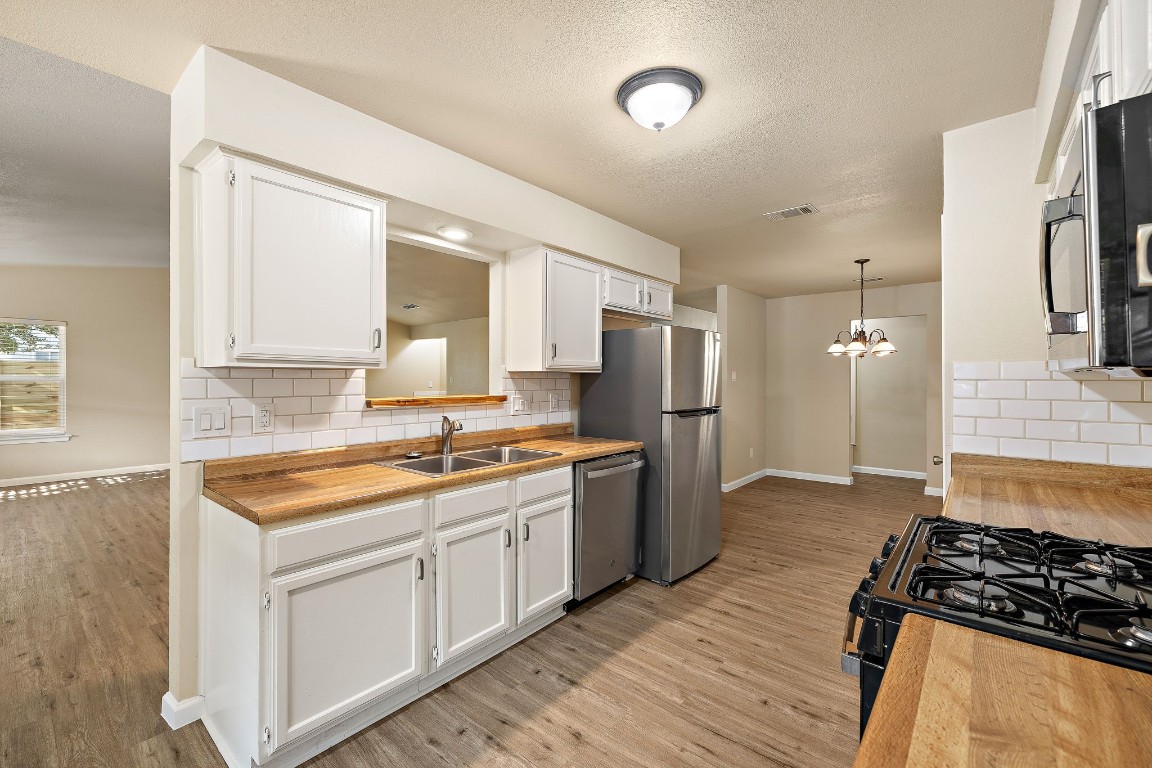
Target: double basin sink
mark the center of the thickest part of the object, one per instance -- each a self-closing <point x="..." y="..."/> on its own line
<point x="465" y="461"/>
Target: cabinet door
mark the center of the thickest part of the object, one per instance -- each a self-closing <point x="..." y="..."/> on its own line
<point x="473" y="580"/>
<point x="308" y="270"/>
<point x="623" y="290"/>
<point x="657" y="298"/>
<point x="544" y="557"/>
<point x="573" y="314"/>
<point x="344" y="634"/>
<point x="1132" y="57"/>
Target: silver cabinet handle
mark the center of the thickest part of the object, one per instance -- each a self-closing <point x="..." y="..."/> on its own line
<point x="615" y="470"/>
<point x="419" y="569"/>
<point x="553" y="350"/>
<point x="1143" y="273"/>
<point x="507" y="538"/>
<point x="375" y="339"/>
<point x="525" y="531"/>
<point x="649" y="298"/>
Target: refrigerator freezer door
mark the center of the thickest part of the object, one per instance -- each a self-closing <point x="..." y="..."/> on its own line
<point x="691" y="369"/>
<point x="691" y="496"/>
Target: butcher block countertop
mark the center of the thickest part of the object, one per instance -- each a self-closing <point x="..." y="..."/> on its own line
<point x="953" y="696"/>
<point x="277" y="487"/>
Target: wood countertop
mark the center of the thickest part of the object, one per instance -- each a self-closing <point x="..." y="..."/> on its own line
<point x="274" y="488"/>
<point x="954" y="696"/>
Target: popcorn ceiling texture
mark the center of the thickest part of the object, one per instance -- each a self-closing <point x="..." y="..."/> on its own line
<point x="324" y="408"/>
<point x="1022" y="410"/>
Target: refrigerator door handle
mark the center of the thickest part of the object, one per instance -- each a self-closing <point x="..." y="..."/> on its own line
<point x="698" y="413"/>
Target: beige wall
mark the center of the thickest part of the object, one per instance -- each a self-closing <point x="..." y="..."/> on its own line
<point x="742" y="321"/>
<point x="808" y="391"/>
<point x="466" y="353"/>
<point x="892" y="399"/>
<point x="414" y="365"/>
<point x="117" y="363"/>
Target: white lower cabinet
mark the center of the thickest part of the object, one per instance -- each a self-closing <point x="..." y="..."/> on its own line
<point x="544" y="557"/>
<point x="312" y="631"/>
<point x="344" y="634"/>
<point x="473" y="604"/>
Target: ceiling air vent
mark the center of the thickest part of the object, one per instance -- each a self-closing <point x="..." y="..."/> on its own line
<point x="790" y="213"/>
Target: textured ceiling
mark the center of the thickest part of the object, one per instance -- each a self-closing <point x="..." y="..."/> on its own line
<point x="446" y="287"/>
<point x="838" y="104"/>
<point x="83" y="165"/>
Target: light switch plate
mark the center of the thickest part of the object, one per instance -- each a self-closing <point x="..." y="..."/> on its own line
<point x="519" y="405"/>
<point x="211" y="421"/>
<point x="263" y="417"/>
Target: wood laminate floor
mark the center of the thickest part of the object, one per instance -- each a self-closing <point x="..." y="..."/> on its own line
<point x="737" y="665"/>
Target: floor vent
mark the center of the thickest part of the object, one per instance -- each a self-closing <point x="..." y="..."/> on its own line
<point x="790" y="213"/>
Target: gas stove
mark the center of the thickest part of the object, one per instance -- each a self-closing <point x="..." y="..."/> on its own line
<point x="1084" y="597"/>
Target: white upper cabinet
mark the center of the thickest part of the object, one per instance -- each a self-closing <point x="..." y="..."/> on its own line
<point x="1131" y="49"/>
<point x="553" y="312"/>
<point x="657" y="298"/>
<point x="343" y="635"/>
<point x="290" y="270"/>
<point x="623" y="290"/>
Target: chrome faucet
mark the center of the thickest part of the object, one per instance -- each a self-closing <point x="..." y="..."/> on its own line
<point x="448" y="428"/>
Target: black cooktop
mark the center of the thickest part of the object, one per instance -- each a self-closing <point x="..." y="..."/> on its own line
<point x="1085" y="597"/>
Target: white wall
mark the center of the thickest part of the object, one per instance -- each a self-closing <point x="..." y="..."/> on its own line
<point x="892" y="400"/>
<point x="466" y="351"/>
<point x="414" y="364"/>
<point x="117" y="367"/>
<point x="691" y="317"/>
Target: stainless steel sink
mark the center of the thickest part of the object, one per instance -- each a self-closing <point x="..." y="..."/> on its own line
<point x="506" y="454"/>
<point x="437" y="465"/>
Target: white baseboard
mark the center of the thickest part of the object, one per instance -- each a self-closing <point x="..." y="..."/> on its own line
<point x="6" y="483"/>
<point x="725" y="487"/>
<point x="836" y="479"/>
<point x="891" y="472"/>
<point x="933" y="491"/>
<point x="180" y="713"/>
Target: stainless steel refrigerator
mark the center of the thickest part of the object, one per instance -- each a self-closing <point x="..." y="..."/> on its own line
<point x="661" y="386"/>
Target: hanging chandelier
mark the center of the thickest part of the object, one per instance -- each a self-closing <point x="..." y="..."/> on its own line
<point x="861" y="341"/>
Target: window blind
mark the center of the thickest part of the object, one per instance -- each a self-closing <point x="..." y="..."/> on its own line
<point x="32" y="380"/>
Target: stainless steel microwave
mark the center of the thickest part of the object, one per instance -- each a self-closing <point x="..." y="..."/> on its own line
<point x="1096" y="281"/>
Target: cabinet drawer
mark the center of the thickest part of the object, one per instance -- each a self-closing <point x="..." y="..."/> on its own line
<point x="543" y="484"/>
<point x="314" y="541"/>
<point x="470" y="502"/>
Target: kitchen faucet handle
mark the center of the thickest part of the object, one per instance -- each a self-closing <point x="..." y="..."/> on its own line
<point x="457" y="426"/>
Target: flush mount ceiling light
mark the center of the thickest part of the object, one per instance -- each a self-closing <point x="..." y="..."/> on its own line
<point x="459" y="234"/>
<point x="659" y="98"/>
<point x="860" y="341"/>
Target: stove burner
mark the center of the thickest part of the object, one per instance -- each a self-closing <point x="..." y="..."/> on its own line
<point x="1106" y="565"/>
<point x="974" y="542"/>
<point x="990" y="602"/>
<point x="1136" y="636"/>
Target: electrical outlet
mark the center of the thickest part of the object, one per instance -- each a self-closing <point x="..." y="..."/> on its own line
<point x="263" y="417"/>
<point x="553" y="402"/>
<point x="733" y="375"/>
<point x="751" y="453"/>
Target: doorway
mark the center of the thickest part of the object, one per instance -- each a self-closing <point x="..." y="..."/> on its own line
<point x="889" y="403"/>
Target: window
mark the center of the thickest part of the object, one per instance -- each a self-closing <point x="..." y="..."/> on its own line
<point x="31" y="381"/>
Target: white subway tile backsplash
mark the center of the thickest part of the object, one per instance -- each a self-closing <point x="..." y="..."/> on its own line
<point x="1033" y="371"/>
<point x="1130" y="455"/>
<point x="1088" y="453"/>
<point x="1025" y="449"/>
<point x="1124" y="434"/>
<point x="1115" y="391"/>
<point x="1000" y="427"/>
<point x="1146" y="434"/>
<point x="963" y="425"/>
<point x="1075" y="410"/>
<point x="973" y="407"/>
<point x="1052" y="430"/>
<point x="962" y="388"/>
<point x="1053" y="390"/>
<point x="988" y="446"/>
<point x="318" y="408"/>
<point x="1132" y="413"/>
<point x="976" y="370"/>
<point x="1025" y="409"/>
<point x="1002" y="390"/>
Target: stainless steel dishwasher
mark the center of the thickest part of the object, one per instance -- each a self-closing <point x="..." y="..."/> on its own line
<point x="607" y="521"/>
